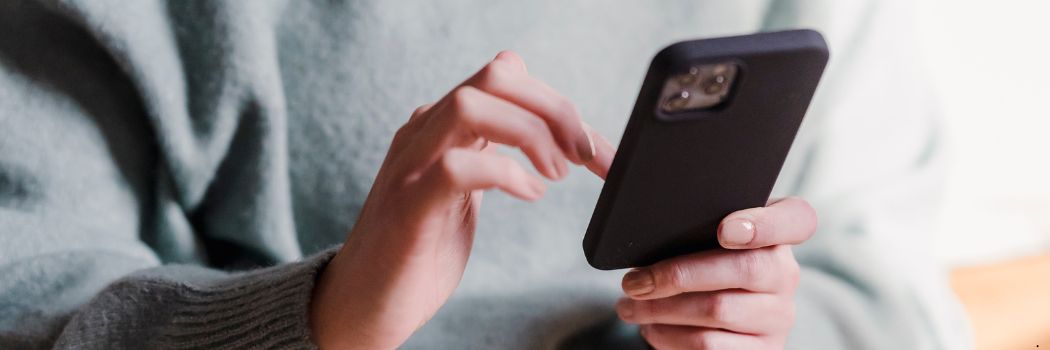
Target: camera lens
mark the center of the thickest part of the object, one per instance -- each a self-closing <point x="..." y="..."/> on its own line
<point x="714" y="85"/>
<point x="677" y="101"/>
<point x="691" y="77"/>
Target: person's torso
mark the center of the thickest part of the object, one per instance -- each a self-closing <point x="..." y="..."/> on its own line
<point x="361" y="69"/>
<point x="288" y="110"/>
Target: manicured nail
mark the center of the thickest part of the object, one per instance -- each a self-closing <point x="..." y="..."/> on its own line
<point x="638" y="282"/>
<point x="737" y="232"/>
<point x="585" y="145"/>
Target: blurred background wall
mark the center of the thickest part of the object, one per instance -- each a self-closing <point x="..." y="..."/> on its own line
<point x="990" y="61"/>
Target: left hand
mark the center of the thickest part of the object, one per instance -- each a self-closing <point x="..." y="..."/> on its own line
<point x="738" y="298"/>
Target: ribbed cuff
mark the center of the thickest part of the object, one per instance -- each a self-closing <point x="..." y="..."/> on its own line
<point x="263" y="309"/>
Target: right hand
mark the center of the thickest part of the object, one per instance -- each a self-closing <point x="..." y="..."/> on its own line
<point x="407" y="251"/>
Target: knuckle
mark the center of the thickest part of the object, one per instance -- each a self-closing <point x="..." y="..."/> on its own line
<point x="717" y="308"/>
<point x="651" y="308"/>
<point x="671" y="276"/>
<point x="806" y="206"/>
<point x="402" y="133"/>
<point x="420" y="110"/>
<point x="493" y="73"/>
<point x="462" y="101"/>
<point x="792" y="273"/>
<point x="644" y="310"/>
<point x="704" y="340"/>
<point x="749" y="264"/>
<point x="801" y="202"/>
<point x="447" y="167"/>
<point x="806" y="212"/>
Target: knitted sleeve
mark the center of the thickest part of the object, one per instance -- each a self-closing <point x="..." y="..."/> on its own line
<point x="90" y="229"/>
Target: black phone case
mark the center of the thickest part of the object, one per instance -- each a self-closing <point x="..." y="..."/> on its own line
<point x="676" y="176"/>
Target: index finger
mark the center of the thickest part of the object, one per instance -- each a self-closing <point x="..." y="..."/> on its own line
<point x="604" y="152"/>
<point x="786" y="221"/>
<point x="506" y="77"/>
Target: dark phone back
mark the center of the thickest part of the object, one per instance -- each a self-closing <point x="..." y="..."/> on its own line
<point x="675" y="176"/>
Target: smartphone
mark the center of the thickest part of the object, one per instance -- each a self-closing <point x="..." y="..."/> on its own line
<point x="708" y="135"/>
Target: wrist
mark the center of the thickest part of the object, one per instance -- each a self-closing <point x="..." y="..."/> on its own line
<point x="343" y="316"/>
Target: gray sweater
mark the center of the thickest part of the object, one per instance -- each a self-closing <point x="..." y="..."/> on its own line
<point x="174" y="175"/>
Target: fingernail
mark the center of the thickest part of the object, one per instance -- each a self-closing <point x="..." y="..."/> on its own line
<point x="585" y="145"/>
<point x="737" y="232"/>
<point x="638" y="282"/>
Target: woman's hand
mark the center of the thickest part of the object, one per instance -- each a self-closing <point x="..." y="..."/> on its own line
<point x="408" y="249"/>
<point x="740" y="298"/>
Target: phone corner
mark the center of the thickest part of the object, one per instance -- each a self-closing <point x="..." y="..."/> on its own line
<point x="812" y="41"/>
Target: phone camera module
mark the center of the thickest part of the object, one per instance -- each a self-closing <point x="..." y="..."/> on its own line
<point x="689" y="78"/>
<point x="677" y="101"/>
<point x="701" y="87"/>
